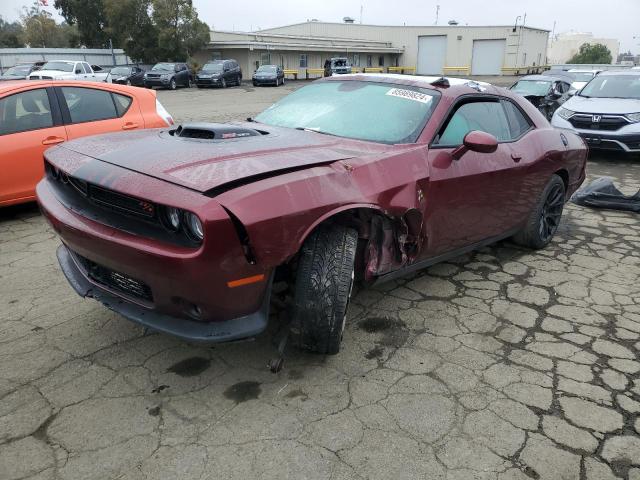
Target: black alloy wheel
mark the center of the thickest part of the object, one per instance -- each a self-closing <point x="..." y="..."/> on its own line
<point x="551" y="212"/>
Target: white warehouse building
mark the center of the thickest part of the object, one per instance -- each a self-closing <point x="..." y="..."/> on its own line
<point x="428" y="50"/>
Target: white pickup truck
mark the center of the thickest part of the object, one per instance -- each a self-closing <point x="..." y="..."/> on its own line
<point x="69" y="70"/>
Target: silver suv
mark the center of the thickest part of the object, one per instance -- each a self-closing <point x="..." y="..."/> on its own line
<point x="606" y="112"/>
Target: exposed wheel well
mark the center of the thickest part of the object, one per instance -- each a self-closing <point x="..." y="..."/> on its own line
<point x="394" y="238"/>
<point x="564" y="175"/>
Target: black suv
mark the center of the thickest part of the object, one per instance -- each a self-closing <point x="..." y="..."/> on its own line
<point x="127" y="75"/>
<point x="168" y="75"/>
<point x="219" y="73"/>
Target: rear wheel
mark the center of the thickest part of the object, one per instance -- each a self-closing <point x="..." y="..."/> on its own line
<point x="323" y="286"/>
<point x="544" y="219"/>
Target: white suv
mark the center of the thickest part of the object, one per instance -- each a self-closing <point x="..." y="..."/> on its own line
<point x="606" y="113"/>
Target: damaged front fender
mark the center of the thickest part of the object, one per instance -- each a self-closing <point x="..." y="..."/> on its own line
<point x="384" y="199"/>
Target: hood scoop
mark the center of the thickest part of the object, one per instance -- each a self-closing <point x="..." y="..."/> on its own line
<point x="214" y="131"/>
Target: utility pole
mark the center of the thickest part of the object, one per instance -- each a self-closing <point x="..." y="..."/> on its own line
<point x="437" y="13"/>
<point x="113" y="56"/>
<point x="361" y="14"/>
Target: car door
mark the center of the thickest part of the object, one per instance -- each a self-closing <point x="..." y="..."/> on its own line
<point x="137" y="76"/>
<point x="470" y="200"/>
<point x="30" y="122"/>
<point x="184" y="75"/>
<point x="89" y="74"/>
<point x="90" y="111"/>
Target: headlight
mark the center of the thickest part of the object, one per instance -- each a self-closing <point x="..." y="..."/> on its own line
<point x="164" y="75"/>
<point x="194" y="226"/>
<point x="565" y="113"/>
<point x="633" y="117"/>
<point x="172" y="218"/>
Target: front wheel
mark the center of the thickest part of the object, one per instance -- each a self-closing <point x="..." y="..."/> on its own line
<point x="544" y="219"/>
<point x="172" y="84"/>
<point x="224" y="83"/>
<point x="324" y="281"/>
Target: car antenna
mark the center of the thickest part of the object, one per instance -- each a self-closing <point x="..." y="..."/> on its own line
<point x="249" y="119"/>
<point x="441" y="82"/>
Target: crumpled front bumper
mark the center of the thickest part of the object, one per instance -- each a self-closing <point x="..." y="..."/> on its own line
<point x="190" y="330"/>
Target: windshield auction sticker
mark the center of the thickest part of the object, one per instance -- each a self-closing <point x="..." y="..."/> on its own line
<point x="409" y="95"/>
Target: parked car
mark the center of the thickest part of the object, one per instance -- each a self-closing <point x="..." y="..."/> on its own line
<point x="35" y="115"/>
<point x="20" y="71"/>
<point x="168" y="75"/>
<point x="219" y="73"/>
<point x="546" y="92"/>
<point x="69" y="70"/>
<point x="184" y="230"/>
<point x="128" y="75"/>
<point x="606" y="113"/>
<point x="581" y="77"/>
<point x="337" y="66"/>
<point x="268" y="75"/>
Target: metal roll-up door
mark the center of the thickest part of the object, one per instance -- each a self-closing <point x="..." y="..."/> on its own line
<point x="432" y="54"/>
<point x="488" y="57"/>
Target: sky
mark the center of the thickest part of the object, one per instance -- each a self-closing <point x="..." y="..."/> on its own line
<point x="604" y="18"/>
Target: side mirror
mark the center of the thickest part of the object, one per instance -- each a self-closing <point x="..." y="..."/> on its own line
<point x="78" y="70"/>
<point x="476" y="141"/>
<point x="555" y="91"/>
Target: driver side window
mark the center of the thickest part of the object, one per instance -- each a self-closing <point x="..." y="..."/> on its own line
<point x="485" y="116"/>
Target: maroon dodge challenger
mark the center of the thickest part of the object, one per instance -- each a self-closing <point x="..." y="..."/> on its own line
<point x="351" y="178"/>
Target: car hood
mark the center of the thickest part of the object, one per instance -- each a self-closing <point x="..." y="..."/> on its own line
<point x="603" y="105"/>
<point x="52" y="73"/>
<point x="204" y="165"/>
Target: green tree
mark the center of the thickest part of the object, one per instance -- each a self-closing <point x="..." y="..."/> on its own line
<point x="180" y="31"/>
<point x="89" y="17"/>
<point x="10" y="34"/>
<point x="40" y="30"/>
<point x="130" y="26"/>
<point x="592" y="54"/>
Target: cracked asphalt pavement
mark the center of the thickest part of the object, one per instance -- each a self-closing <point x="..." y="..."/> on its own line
<point x="503" y="364"/>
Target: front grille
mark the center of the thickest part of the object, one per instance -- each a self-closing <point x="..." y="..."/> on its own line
<point x="153" y="75"/>
<point x="117" y="281"/>
<point x="606" y="122"/>
<point x="117" y="201"/>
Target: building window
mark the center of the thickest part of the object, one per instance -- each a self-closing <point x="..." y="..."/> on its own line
<point x="216" y="56"/>
<point x="369" y="61"/>
<point x="303" y="60"/>
<point x="265" y="58"/>
<point x="381" y="61"/>
<point x="356" y="60"/>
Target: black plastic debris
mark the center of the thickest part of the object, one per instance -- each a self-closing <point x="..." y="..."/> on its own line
<point x="602" y="193"/>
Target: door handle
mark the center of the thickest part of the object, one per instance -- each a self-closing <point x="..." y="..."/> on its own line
<point x="52" y="140"/>
<point x="129" y="126"/>
<point x="516" y="157"/>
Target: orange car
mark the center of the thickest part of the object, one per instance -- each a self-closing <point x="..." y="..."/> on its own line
<point x="37" y="114"/>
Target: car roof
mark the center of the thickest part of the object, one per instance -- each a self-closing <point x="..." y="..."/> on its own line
<point x="584" y="70"/>
<point x="620" y="72"/>
<point x="9" y="85"/>
<point x="455" y="87"/>
<point x="548" y="77"/>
